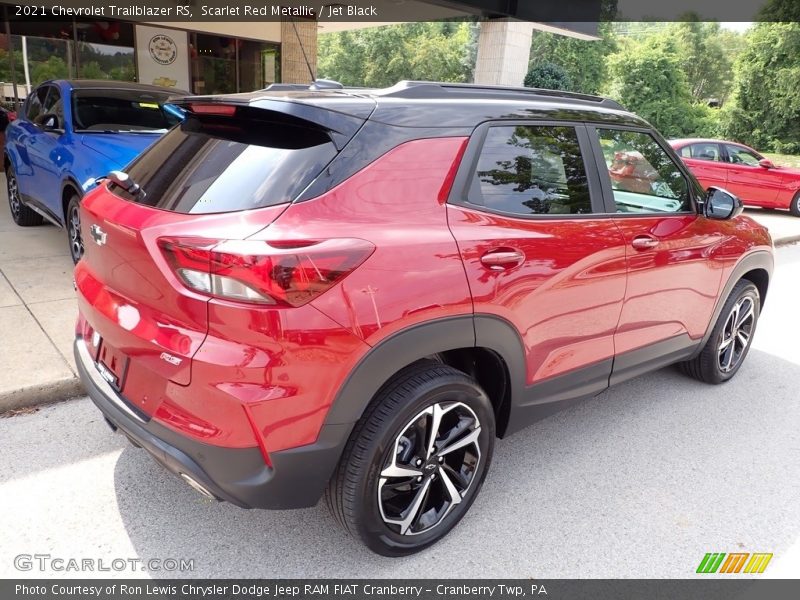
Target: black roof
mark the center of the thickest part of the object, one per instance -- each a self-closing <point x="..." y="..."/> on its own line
<point x="435" y="104"/>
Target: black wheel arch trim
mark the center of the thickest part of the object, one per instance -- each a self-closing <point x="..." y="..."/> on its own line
<point x="423" y="340"/>
<point x="756" y="260"/>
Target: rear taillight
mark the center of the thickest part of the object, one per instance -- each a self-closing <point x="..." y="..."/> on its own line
<point x="258" y="272"/>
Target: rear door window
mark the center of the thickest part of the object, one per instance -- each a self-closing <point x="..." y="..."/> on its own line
<point x="218" y="164"/>
<point x="531" y="170"/>
<point x="702" y="151"/>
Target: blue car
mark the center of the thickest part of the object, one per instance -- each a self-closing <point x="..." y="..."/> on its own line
<point x="69" y="134"/>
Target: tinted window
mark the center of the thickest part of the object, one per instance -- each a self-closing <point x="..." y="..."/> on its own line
<point x="53" y="105"/>
<point x="531" y="170"/>
<point x="702" y="151"/>
<point x="644" y="178"/>
<point x="34" y="106"/>
<point x="120" y="110"/>
<point x="222" y="165"/>
<point x="742" y="156"/>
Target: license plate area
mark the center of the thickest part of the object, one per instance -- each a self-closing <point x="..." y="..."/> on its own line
<point x="112" y="365"/>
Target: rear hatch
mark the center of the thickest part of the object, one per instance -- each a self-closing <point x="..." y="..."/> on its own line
<point x="223" y="174"/>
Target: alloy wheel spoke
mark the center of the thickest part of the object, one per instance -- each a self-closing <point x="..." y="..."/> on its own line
<point x="728" y="358"/>
<point x="470" y="438"/>
<point x="452" y="491"/>
<point x="413" y="509"/>
<point x="725" y="343"/>
<point x="743" y="338"/>
<point x="744" y="316"/>
<point x="395" y="470"/>
<point x="436" y="422"/>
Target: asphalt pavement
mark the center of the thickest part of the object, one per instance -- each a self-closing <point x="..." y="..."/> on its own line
<point x="641" y="481"/>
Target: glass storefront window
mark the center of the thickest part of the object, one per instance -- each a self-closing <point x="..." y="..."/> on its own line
<point x="259" y="65"/>
<point x="213" y="64"/>
<point x="222" y="65"/>
<point x="105" y="50"/>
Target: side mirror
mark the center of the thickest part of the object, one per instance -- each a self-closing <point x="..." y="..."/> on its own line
<point x="766" y="163"/>
<point x="721" y="205"/>
<point x="50" y="122"/>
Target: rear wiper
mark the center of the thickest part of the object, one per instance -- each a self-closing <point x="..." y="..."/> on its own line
<point x="123" y="180"/>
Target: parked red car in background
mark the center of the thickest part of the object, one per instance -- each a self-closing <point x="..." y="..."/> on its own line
<point x="742" y="171"/>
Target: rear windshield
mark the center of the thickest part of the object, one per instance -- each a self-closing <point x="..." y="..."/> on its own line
<point x="220" y="164"/>
<point x="103" y="111"/>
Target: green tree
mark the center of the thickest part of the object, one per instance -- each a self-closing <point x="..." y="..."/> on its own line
<point x="382" y="56"/>
<point x="549" y="76"/>
<point x="766" y="103"/>
<point x="584" y="61"/>
<point x="648" y="80"/>
<point x="53" y="68"/>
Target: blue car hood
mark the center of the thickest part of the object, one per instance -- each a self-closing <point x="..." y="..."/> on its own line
<point x="118" y="148"/>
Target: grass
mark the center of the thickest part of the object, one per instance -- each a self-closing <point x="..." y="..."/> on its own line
<point x="784" y="160"/>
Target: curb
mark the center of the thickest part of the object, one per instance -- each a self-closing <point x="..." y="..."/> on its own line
<point x="792" y="239"/>
<point x="39" y="395"/>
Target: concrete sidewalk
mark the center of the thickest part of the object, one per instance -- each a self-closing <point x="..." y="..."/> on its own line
<point x="37" y="314"/>
<point x="38" y="310"/>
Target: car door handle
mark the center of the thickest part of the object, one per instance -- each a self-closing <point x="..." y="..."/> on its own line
<point x="500" y="260"/>
<point x="644" y="242"/>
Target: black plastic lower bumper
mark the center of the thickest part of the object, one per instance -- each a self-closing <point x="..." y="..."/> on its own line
<point x="297" y="478"/>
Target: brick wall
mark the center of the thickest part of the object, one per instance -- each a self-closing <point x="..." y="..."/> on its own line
<point x="293" y="65"/>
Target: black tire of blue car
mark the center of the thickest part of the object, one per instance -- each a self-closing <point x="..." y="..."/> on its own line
<point x="22" y="215"/>
<point x="73" y="227"/>
<point x="794" y="207"/>
<point x="731" y="338"/>
<point x="415" y="461"/>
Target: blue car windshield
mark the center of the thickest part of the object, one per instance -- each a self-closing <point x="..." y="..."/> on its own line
<point x="118" y="111"/>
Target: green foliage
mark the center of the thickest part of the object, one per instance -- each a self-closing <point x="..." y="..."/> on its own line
<point x="549" y="76"/>
<point x="53" y="68"/>
<point x="584" y="61"/>
<point x="649" y="81"/>
<point x="382" y="56"/>
<point x="703" y="59"/>
<point x="766" y="114"/>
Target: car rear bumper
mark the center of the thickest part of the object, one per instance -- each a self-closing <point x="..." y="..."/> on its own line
<point x="296" y="478"/>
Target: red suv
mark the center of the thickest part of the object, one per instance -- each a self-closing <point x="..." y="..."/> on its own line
<point x="352" y="293"/>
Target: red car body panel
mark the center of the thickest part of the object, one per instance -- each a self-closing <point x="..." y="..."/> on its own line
<point x="278" y="368"/>
<point x="672" y="289"/>
<point x="756" y="185"/>
<point x="564" y="299"/>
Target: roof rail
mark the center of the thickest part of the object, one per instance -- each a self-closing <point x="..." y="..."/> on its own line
<point x="316" y="85"/>
<point x="434" y="89"/>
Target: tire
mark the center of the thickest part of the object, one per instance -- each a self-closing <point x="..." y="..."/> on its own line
<point x="379" y="478"/>
<point x="794" y="207"/>
<point x="22" y="215"/>
<point x="72" y="224"/>
<point x="726" y="349"/>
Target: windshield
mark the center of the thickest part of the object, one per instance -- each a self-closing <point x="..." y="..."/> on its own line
<point x="103" y="111"/>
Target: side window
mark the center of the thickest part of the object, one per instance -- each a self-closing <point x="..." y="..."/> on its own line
<point x="741" y="156"/>
<point x="704" y="152"/>
<point x="644" y="178"/>
<point x="33" y="108"/>
<point x="531" y="170"/>
<point x="53" y="105"/>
